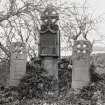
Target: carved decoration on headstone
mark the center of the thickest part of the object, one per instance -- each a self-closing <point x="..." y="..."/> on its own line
<point x="18" y="49"/>
<point x="18" y="62"/>
<point x="81" y="49"/>
<point x="49" y="18"/>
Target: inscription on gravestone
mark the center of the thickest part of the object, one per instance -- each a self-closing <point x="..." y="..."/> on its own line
<point x="48" y="43"/>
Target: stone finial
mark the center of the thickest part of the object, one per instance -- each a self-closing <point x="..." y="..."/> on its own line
<point x="50" y="15"/>
<point x="49" y="18"/>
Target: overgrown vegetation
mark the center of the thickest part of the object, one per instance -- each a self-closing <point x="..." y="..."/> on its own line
<point x="92" y="94"/>
<point x="36" y="83"/>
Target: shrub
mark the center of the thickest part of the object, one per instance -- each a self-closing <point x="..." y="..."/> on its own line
<point x="36" y="82"/>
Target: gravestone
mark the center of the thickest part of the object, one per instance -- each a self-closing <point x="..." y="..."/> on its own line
<point x="49" y="46"/>
<point x="81" y="63"/>
<point x="17" y="63"/>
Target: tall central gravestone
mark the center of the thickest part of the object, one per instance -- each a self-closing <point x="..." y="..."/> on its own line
<point x="18" y="63"/>
<point x="49" y="47"/>
<point x="81" y="63"/>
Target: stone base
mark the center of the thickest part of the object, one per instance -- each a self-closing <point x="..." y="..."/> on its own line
<point x="14" y="82"/>
<point x="51" y="66"/>
<point x="80" y="73"/>
<point x="79" y="84"/>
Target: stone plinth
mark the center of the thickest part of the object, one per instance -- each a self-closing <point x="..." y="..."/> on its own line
<point x="80" y="73"/>
<point x="18" y="63"/>
<point x="50" y="64"/>
<point x="81" y="64"/>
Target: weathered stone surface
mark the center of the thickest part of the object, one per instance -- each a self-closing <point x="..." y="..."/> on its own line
<point x="49" y="44"/>
<point x="18" y="63"/>
<point x="81" y="64"/>
<point x="80" y="74"/>
<point x="50" y="64"/>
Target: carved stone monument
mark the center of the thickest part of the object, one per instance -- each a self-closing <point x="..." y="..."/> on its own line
<point x="49" y="46"/>
<point x="18" y="63"/>
<point x="81" y="63"/>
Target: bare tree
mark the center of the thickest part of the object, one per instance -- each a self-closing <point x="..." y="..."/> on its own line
<point x="19" y="22"/>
